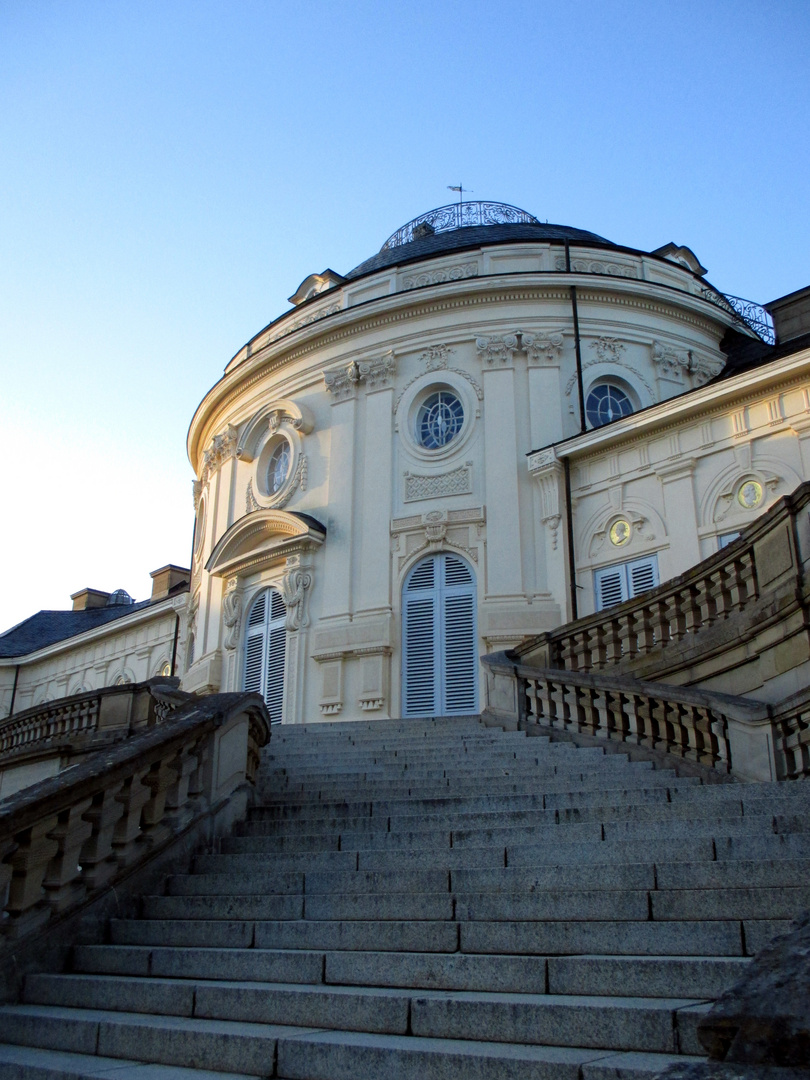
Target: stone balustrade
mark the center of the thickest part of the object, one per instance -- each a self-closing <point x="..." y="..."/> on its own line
<point x="66" y="838"/>
<point x="752" y="593"/>
<point x="749" y="739"/>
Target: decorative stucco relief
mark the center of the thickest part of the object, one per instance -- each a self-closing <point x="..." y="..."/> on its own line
<point x="673" y="364"/>
<point x="232" y="613"/>
<point x="456" y="482"/>
<point x="548" y="471"/>
<point x="436" y="358"/>
<point x="222" y="447"/>
<point x="444" y="273"/>
<point x="304" y="320"/>
<point x="537" y="347"/>
<point x="295" y="586"/>
<point x="594" y="266"/>
<point x="377" y="374"/>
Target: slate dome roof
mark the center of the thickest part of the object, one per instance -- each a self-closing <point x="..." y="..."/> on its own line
<point x="458" y="226"/>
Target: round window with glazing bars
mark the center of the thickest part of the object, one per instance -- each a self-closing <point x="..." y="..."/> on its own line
<point x="278" y="467"/>
<point x="439" y="419"/>
<point x="607" y="402"/>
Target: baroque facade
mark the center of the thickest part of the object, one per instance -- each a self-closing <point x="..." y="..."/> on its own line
<point x="488" y="428"/>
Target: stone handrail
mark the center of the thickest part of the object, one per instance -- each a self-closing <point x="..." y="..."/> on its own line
<point x="68" y="837"/>
<point x="664" y="621"/>
<point x="750" y="739"/>
<point x="80" y="720"/>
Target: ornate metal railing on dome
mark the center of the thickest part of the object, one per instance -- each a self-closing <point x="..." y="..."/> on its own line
<point x="458" y="216"/>
<point x="754" y="316"/>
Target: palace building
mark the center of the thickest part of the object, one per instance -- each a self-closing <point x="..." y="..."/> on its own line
<point x="488" y="428"/>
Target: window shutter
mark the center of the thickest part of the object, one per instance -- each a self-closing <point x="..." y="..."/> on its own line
<point x="419" y="659"/>
<point x="642" y="575"/>
<point x="611" y="587"/>
<point x="460" y="654"/>
<point x="253" y="663"/>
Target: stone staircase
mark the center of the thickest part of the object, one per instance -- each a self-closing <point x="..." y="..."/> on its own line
<point x="433" y="900"/>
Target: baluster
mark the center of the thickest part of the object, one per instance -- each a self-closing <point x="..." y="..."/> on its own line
<point x="178" y="807"/>
<point x="690" y="608"/>
<point x="749" y="576"/>
<point x="582" y="657"/>
<point x="676" y="617"/>
<point x="627" y="635"/>
<point x="614" y="714"/>
<point x="568" y="654"/>
<point x="596" y="647"/>
<point x="718" y="727"/>
<point x="548" y="707"/>
<point x="133" y="796"/>
<point x="633" y="702"/>
<point x="613" y="642"/>
<point x="160" y="778"/>
<point x="705" y="601"/>
<point x="27" y="906"/>
<point x="722" y="597"/>
<point x="63" y="882"/>
<point x="557" y="694"/>
<point x="645" y="633"/>
<point x="97" y="856"/>
<point x="571" y="696"/>
<point x="644" y="721"/>
<point x="590" y="710"/>
<point x="600" y="704"/>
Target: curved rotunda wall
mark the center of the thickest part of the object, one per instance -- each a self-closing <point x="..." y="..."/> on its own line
<point x="335" y="388"/>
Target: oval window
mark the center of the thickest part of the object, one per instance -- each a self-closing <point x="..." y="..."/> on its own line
<point x="278" y="467"/>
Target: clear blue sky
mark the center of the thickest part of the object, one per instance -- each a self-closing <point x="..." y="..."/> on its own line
<point x="172" y="170"/>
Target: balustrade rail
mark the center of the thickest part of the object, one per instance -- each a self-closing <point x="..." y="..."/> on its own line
<point x="751" y="739"/>
<point x="74" y="721"/>
<point x="66" y="838"/>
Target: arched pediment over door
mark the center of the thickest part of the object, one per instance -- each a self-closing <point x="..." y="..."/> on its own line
<point x="262" y="539"/>
<point x="273" y="548"/>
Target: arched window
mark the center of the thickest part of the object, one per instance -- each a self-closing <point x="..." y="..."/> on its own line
<point x="440" y="652"/>
<point x="606" y="402"/>
<point x="265" y="650"/>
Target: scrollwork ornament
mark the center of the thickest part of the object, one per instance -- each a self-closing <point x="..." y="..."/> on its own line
<point x="232" y="613"/>
<point x="295" y="586"/>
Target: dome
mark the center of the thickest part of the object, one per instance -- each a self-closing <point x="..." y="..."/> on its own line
<point x="463" y="225"/>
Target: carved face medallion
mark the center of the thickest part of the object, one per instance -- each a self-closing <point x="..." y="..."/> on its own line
<point x="750" y="494"/>
<point x="620" y="532"/>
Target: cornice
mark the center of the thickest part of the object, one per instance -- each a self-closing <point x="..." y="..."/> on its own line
<point x="448" y="296"/>
<point x="711" y="401"/>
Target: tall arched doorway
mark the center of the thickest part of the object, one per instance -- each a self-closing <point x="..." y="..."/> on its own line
<point x="439" y="640"/>
<point x="265" y="650"/>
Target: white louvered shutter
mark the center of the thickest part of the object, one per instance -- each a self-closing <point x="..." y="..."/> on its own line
<point x="265" y="648"/>
<point x="419" y="640"/>
<point x="276" y="652"/>
<point x="440" y="654"/>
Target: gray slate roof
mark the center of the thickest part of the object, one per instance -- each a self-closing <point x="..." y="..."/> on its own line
<point x="47" y="627"/>
<point x="471" y="236"/>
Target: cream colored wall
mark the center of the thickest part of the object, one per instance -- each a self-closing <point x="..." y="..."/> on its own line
<point x="506" y="346"/>
<point x="136" y="647"/>
<point x="677" y="482"/>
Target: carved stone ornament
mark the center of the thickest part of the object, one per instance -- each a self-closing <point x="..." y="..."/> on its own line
<point x="672" y="364"/>
<point x="550" y="475"/>
<point x="299" y="480"/>
<point x="436" y="357"/>
<point x="222" y="447"/>
<point x="295" y="586"/>
<point x="456" y="482"/>
<point x="305" y="320"/>
<point x="621" y="531"/>
<point x="250" y="499"/>
<point x="377" y="374"/>
<point x="196" y="488"/>
<point x="595" y="266"/>
<point x="444" y="273"/>
<point x="537" y="347"/>
<point x="608" y="350"/>
<point x="232" y="613"/>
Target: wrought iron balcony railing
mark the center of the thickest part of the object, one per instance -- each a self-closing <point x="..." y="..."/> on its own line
<point x="754" y="316"/>
<point x="458" y="216"/>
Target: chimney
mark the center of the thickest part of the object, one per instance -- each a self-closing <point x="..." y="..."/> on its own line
<point x="167" y="580"/>
<point x="89" y="598"/>
<point x="791" y="315"/>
